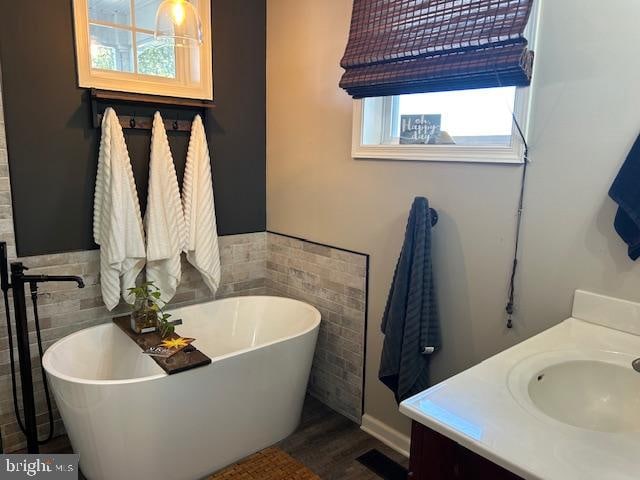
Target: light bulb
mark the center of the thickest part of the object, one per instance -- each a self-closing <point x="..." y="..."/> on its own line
<point x="178" y="13"/>
<point x="179" y="20"/>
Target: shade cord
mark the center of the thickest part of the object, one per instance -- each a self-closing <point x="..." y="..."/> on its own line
<point x="514" y="268"/>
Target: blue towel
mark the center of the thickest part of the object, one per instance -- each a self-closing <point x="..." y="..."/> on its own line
<point x="625" y="191"/>
<point x="410" y="321"/>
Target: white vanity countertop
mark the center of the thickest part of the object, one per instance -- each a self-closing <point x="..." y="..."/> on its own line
<point x="477" y="409"/>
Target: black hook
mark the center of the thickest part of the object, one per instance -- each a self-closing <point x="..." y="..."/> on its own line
<point x="132" y="121"/>
<point x="175" y="122"/>
<point x="434" y="216"/>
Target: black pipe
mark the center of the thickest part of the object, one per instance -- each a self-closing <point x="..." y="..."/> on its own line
<point x="24" y="357"/>
<point x="34" y="279"/>
<point x="4" y="286"/>
<point x="47" y="396"/>
<point x="18" y="281"/>
<point x="4" y="274"/>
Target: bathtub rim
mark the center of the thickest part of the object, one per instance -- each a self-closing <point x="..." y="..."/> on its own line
<point x="47" y="364"/>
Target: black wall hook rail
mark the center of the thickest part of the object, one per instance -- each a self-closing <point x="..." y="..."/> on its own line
<point x="135" y="122"/>
<point x="100" y="99"/>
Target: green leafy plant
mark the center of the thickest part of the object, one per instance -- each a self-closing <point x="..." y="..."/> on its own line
<point x="164" y="326"/>
<point x="148" y="308"/>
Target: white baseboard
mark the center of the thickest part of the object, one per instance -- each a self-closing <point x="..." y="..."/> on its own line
<point x="387" y="435"/>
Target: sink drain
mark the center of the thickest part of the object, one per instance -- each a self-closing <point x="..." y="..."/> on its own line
<point x="636" y="365"/>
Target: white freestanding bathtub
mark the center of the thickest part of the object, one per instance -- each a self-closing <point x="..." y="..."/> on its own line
<point x="129" y="420"/>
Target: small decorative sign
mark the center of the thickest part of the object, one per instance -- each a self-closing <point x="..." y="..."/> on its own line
<point x="168" y="347"/>
<point x="420" y="129"/>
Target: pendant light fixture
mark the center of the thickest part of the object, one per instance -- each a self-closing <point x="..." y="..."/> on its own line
<point x="180" y="21"/>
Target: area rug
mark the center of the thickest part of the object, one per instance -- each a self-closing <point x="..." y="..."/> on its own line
<point x="268" y="464"/>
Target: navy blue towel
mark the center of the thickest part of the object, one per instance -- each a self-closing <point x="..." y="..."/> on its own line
<point x="410" y="321"/>
<point x="625" y="191"/>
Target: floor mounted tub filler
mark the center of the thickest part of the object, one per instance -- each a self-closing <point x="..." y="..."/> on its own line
<point x="128" y="419"/>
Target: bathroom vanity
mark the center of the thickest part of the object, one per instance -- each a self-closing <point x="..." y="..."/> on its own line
<point x="435" y="456"/>
<point x="562" y="405"/>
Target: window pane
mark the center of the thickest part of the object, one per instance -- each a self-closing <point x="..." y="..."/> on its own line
<point x="146" y="13"/>
<point x="469" y="117"/>
<point x="111" y="11"/>
<point x="155" y="57"/>
<point x="480" y="117"/>
<point x="111" y="49"/>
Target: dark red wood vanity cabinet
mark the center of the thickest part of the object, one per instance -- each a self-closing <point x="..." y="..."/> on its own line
<point x="436" y="457"/>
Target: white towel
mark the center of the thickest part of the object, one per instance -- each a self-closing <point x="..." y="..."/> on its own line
<point x="164" y="218"/>
<point x="201" y="244"/>
<point x="117" y="222"/>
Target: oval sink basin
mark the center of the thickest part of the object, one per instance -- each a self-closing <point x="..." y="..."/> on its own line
<point x="597" y="391"/>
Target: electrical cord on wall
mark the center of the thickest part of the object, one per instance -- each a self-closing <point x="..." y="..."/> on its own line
<point x="514" y="268"/>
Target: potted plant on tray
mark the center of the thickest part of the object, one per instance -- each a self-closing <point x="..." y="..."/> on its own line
<point x="148" y="311"/>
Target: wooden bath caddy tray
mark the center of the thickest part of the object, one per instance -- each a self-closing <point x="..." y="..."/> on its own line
<point x="178" y="362"/>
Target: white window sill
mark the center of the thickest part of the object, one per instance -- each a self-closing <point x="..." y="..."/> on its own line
<point x="440" y="153"/>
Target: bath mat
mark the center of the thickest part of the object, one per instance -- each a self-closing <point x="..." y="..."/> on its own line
<point x="268" y="464"/>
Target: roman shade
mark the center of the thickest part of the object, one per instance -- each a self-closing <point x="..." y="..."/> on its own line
<point x="415" y="46"/>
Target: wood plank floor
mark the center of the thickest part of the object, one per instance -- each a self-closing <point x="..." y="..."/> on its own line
<point x="326" y="442"/>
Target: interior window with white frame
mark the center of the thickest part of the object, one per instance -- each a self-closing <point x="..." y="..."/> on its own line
<point x="116" y="50"/>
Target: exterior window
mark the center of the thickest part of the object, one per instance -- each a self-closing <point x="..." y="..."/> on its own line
<point x="116" y="50"/>
<point x="456" y="126"/>
<point x="466" y="125"/>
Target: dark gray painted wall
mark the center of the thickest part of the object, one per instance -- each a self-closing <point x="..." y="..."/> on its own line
<point x="53" y="148"/>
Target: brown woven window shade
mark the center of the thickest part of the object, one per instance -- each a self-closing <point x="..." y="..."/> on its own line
<point x="416" y="46"/>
